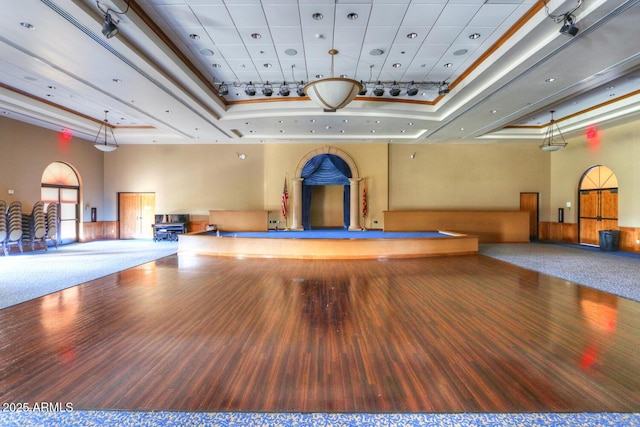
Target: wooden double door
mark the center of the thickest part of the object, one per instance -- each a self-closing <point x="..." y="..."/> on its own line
<point x="598" y="197"/>
<point x="598" y="211"/>
<point x="136" y="215"/>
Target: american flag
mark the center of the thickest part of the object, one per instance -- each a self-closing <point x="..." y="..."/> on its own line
<point x="285" y="197"/>
<point x="364" y="198"/>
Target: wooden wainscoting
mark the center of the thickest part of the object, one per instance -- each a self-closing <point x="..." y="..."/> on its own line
<point x="99" y="230"/>
<point x="629" y="237"/>
<point x="559" y="231"/>
<point x="489" y="226"/>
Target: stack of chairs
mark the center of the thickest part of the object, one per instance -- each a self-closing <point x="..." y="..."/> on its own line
<point x="3" y="224"/>
<point x="51" y="219"/>
<point x="34" y="227"/>
<point x="14" y="227"/>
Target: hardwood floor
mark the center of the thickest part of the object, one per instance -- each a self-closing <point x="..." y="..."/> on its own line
<point x="442" y="334"/>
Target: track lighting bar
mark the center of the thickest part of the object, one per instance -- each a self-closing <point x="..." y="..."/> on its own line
<point x="378" y="88"/>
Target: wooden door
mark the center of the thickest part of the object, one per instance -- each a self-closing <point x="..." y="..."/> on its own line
<point x="529" y="203"/>
<point x="598" y="198"/>
<point x="136" y="215"/>
<point x="598" y="211"/>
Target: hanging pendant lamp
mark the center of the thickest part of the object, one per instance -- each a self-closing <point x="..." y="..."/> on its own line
<point x="102" y="133"/>
<point x="333" y="93"/>
<point x="551" y="142"/>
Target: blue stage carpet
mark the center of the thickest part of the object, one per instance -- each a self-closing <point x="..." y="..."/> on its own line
<point x="332" y="234"/>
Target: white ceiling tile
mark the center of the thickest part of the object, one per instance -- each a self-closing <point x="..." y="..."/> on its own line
<point x="178" y="15"/>
<point x="227" y="35"/>
<point x="422" y="15"/>
<point x="279" y="15"/>
<point x="233" y="52"/>
<point x="380" y="36"/>
<point x="492" y="15"/>
<point x="348" y="35"/>
<point x="213" y="16"/>
<point x="457" y="14"/>
<point x="387" y="15"/>
<point x="247" y="15"/>
<point x="443" y="35"/>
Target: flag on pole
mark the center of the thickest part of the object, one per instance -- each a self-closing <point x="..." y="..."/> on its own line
<point x="364" y="198"/>
<point x="285" y="197"/>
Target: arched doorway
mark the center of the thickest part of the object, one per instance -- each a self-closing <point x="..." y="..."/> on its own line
<point x="328" y="161"/>
<point x="319" y="172"/>
<point x="60" y="184"/>
<point x="598" y="198"/>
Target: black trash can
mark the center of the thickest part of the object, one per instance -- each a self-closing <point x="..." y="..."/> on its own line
<point x="609" y="240"/>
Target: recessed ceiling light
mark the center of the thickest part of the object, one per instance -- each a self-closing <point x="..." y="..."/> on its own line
<point x="376" y="52"/>
<point x="319" y="76"/>
<point x="448" y="65"/>
<point x="550" y="79"/>
<point x="194" y="37"/>
<point x="397" y="65"/>
<point x="317" y="16"/>
<point x="342" y="131"/>
<point x="27" y="25"/>
<point x="460" y="52"/>
<point x="410" y="123"/>
<point x="494" y="111"/>
<point x="216" y="65"/>
<point x="352" y="16"/>
<point x="267" y="65"/>
<point x="312" y="131"/>
<point x="206" y="52"/>
<point x="291" y="52"/>
<point x="412" y="35"/>
<point x="51" y="87"/>
<point x="256" y="36"/>
<point x="117" y="80"/>
<point x="345" y="121"/>
<point x="474" y="36"/>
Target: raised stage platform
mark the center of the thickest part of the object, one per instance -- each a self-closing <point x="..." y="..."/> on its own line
<point x="328" y="244"/>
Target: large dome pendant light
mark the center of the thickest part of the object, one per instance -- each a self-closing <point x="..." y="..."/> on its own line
<point x="333" y="93"/>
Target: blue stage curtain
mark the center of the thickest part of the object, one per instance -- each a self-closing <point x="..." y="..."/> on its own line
<point x="325" y="169"/>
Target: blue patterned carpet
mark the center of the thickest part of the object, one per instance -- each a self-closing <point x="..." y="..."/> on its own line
<point x="126" y="419"/>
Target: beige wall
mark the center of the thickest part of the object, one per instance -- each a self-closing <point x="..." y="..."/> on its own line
<point x="196" y="178"/>
<point x="26" y="151"/>
<point x="187" y="179"/>
<point x="467" y="176"/>
<point x="619" y="150"/>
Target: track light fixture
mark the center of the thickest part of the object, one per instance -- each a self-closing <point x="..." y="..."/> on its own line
<point x="250" y="89"/>
<point x="109" y="25"/>
<point x="267" y="90"/>
<point x="568" y="20"/>
<point x="443" y="88"/>
<point x="378" y="90"/>
<point x="284" y="89"/>
<point x="412" y="89"/>
<point x="223" y="89"/>
<point x="109" y="29"/>
<point x="395" y="89"/>
<point x="569" y="28"/>
<point x="363" y="92"/>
